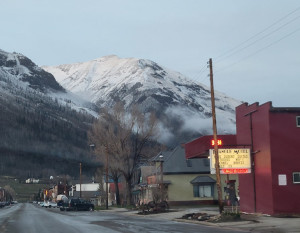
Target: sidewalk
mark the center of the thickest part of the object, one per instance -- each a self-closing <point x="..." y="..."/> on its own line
<point x="251" y="222"/>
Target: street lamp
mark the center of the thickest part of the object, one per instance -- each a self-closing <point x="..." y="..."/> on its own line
<point x="161" y="159"/>
<point x="106" y="171"/>
<point x="80" y="170"/>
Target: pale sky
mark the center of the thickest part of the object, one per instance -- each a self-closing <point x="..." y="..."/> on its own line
<point x="254" y="44"/>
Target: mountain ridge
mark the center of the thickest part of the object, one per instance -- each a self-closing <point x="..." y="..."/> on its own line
<point x="174" y="97"/>
<point x="44" y="118"/>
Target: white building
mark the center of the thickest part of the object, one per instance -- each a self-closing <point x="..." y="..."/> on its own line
<point x="32" y="181"/>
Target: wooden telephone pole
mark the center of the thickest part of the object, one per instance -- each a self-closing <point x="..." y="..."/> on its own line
<point x="80" y="179"/>
<point x="217" y="165"/>
<point x="106" y="176"/>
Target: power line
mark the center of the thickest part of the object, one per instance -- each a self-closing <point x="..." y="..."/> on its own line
<point x="238" y="48"/>
<point x="200" y="74"/>
<point x="261" y="38"/>
<point x="252" y="37"/>
<point x="203" y="78"/>
<point x="260" y="50"/>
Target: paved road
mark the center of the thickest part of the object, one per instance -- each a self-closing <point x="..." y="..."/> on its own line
<point x="30" y="218"/>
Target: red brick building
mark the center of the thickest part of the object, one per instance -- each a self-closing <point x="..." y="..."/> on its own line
<point x="274" y="133"/>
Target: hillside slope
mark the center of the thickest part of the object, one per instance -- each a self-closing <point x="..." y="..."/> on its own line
<point x="41" y="133"/>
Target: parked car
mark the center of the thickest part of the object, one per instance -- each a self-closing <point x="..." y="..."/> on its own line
<point x="60" y="203"/>
<point x="50" y="204"/>
<point x="42" y="204"/>
<point x="77" y="204"/>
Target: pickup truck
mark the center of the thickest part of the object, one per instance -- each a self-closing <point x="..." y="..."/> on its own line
<point x="77" y="204"/>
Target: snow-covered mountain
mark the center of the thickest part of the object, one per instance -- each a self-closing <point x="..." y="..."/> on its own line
<point x="182" y="105"/>
<point x="22" y="70"/>
<point x="39" y="127"/>
<point x="19" y="73"/>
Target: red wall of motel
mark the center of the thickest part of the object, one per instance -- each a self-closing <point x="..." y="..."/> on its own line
<point x="275" y="137"/>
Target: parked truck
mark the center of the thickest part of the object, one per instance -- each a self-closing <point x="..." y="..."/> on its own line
<point x="77" y="204"/>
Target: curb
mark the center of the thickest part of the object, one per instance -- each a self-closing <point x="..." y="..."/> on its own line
<point x="195" y="222"/>
<point x="233" y="227"/>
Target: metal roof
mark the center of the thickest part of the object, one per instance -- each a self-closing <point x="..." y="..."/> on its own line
<point x="203" y="179"/>
<point x="199" y="147"/>
<point x="174" y="162"/>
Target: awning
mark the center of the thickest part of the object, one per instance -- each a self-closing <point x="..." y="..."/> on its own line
<point x="203" y="179"/>
<point x="199" y="148"/>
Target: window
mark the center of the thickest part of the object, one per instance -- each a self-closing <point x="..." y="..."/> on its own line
<point x="298" y="121"/>
<point x="189" y="163"/>
<point x="296" y="177"/>
<point x="203" y="190"/>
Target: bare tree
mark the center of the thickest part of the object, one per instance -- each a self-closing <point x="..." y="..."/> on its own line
<point x="126" y="137"/>
<point x="10" y="193"/>
<point x="102" y="136"/>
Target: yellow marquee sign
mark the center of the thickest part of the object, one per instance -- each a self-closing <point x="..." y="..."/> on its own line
<point x="232" y="161"/>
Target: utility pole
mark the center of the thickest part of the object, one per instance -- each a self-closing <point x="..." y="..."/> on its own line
<point x="65" y="188"/>
<point x="106" y="176"/>
<point x="217" y="164"/>
<point x="162" y="177"/>
<point x="80" y="179"/>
